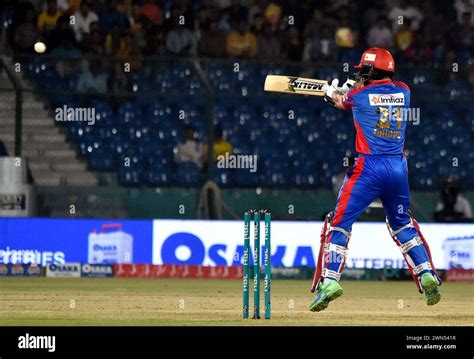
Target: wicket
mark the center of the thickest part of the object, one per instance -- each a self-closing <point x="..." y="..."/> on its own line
<point x="256" y="263"/>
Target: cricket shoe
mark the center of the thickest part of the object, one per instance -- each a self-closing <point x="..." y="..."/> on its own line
<point x="430" y="287"/>
<point x="326" y="293"/>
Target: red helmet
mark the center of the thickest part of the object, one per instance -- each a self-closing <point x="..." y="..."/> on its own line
<point x="378" y="58"/>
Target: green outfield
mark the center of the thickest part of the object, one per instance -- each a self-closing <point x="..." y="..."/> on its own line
<point x="51" y="301"/>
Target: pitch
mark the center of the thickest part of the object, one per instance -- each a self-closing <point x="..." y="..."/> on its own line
<point x="181" y="302"/>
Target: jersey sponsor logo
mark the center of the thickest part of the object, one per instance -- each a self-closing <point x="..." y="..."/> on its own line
<point x="393" y="99"/>
<point x="370" y="57"/>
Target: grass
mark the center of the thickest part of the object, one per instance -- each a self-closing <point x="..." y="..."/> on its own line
<point x="181" y="302"/>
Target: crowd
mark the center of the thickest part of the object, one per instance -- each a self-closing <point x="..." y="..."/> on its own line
<point x="278" y="30"/>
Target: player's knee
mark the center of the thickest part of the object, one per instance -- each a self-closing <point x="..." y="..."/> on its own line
<point x="338" y="238"/>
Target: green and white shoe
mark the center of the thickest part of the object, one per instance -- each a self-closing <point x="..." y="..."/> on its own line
<point x="326" y="293"/>
<point x="430" y="287"/>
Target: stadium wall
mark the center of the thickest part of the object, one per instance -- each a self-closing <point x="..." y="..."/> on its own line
<point x="139" y="203"/>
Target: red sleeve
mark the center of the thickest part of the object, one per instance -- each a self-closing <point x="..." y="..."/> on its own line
<point x="348" y="100"/>
<point x="401" y="84"/>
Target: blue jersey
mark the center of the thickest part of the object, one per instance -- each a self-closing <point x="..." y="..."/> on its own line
<point x="380" y="112"/>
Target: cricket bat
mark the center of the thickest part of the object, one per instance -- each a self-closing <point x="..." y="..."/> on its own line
<point x="294" y="85"/>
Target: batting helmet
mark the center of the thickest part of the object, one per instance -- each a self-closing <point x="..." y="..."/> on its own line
<point x="377" y="58"/>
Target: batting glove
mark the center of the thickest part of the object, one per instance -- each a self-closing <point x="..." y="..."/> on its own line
<point x="329" y="90"/>
<point x="347" y="85"/>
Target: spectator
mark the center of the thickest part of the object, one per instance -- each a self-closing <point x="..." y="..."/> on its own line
<point x="182" y="9"/>
<point x="180" y="40"/>
<point x="257" y="9"/>
<point x="62" y="33"/>
<point x="63" y="5"/>
<point x="378" y="8"/>
<point x="65" y="44"/>
<point x="191" y="150"/>
<point x="238" y="12"/>
<point x="222" y="4"/>
<point x="220" y="146"/>
<point x="257" y="24"/>
<point x="83" y="19"/>
<point x="404" y="37"/>
<point x="293" y="47"/>
<point x="380" y="34"/>
<point x="48" y="18"/>
<point x="298" y="10"/>
<point x="452" y="207"/>
<point x="347" y="33"/>
<point x="268" y="44"/>
<point x="317" y="21"/>
<point x="320" y="48"/>
<point x="93" y="81"/>
<point x="273" y="15"/>
<point x="114" y="17"/>
<point x="463" y="6"/>
<point x="419" y="51"/>
<point x="26" y="34"/>
<point x="207" y="13"/>
<point x="212" y="42"/>
<point x="435" y="28"/>
<point x="155" y="42"/>
<point x="224" y="22"/>
<point x="128" y="52"/>
<point x="95" y="42"/>
<point x="138" y="22"/>
<point x="403" y="12"/>
<point x="152" y="12"/>
<point x="241" y="42"/>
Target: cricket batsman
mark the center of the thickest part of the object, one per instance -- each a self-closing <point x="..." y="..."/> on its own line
<point x="379" y="106"/>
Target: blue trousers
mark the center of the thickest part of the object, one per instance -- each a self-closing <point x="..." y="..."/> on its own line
<point x="372" y="177"/>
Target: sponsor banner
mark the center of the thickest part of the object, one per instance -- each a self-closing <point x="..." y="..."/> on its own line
<point x="17" y="270"/>
<point x="20" y="270"/>
<point x="296" y="244"/>
<point x="33" y="270"/>
<point x="43" y="241"/>
<point x="362" y="274"/>
<point x="460" y="275"/>
<point x="176" y="271"/>
<point x="96" y="271"/>
<point x="213" y="243"/>
<point x="291" y="273"/>
<point x="66" y="270"/>
<point x="3" y="270"/>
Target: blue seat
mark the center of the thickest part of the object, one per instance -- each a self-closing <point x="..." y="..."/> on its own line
<point x="188" y="174"/>
<point x="129" y="177"/>
<point x="102" y="160"/>
<point x="88" y="144"/>
<point x="159" y="174"/>
<point x="223" y="177"/>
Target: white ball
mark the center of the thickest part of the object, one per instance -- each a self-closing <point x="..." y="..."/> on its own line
<point x="40" y="47"/>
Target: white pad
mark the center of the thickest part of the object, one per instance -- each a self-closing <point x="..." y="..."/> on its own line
<point x="415" y="241"/>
